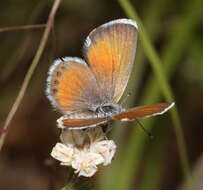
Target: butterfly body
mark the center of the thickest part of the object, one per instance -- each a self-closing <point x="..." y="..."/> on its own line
<point x="88" y="93"/>
<point x="108" y="109"/>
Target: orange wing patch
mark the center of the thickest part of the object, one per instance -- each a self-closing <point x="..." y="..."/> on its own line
<point x="110" y="50"/>
<point x="143" y="111"/>
<point x="72" y="85"/>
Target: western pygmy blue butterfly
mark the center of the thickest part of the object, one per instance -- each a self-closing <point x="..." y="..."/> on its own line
<point x="88" y="93"/>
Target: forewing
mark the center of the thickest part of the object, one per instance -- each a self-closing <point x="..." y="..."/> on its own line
<point x="110" y="51"/>
<point x="80" y="121"/>
<point x="71" y="85"/>
<point x="143" y="111"/>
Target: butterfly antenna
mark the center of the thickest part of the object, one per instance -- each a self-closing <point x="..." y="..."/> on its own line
<point x="124" y="100"/>
<point x="61" y="58"/>
<point x="147" y="132"/>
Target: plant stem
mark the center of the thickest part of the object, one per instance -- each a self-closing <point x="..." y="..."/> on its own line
<point x="156" y="64"/>
<point x="30" y="71"/>
<point x="26" y="27"/>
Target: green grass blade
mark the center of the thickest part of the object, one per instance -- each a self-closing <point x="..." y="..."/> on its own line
<point x="156" y="64"/>
<point x="196" y="53"/>
<point x="152" y="16"/>
<point x="153" y="163"/>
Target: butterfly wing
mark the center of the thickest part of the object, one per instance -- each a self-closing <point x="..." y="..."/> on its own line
<point x="71" y="85"/>
<point x="110" y="51"/>
<point x="81" y="121"/>
<point x="143" y="111"/>
<point x="86" y="120"/>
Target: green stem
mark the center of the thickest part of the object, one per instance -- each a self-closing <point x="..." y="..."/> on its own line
<point x="152" y="16"/>
<point x="156" y="64"/>
<point x="71" y="181"/>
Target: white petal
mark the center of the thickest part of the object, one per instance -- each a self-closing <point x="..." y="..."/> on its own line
<point x="106" y="148"/>
<point x="74" y="137"/>
<point x="65" y="163"/>
<point x="95" y="134"/>
<point x="88" y="172"/>
<point x="95" y="158"/>
<point x="62" y="153"/>
<point x="85" y="163"/>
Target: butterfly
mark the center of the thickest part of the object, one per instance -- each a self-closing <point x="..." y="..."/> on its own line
<point x="87" y="93"/>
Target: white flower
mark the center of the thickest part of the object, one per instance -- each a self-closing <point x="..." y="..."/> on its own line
<point x="63" y="153"/>
<point x="86" y="163"/>
<point x="106" y="148"/>
<point x="74" y="137"/>
<point x="84" y="150"/>
<point x="95" y="134"/>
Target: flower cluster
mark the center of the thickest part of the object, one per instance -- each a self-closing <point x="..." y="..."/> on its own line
<point x="84" y="150"/>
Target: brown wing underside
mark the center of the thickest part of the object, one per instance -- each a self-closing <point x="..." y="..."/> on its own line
<point x="129" y="115"/>
<point x="143" y="111"/>
<point x="80" y="123"/>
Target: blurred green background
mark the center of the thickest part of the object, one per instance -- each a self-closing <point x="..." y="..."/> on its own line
<point x="175" y="29"/>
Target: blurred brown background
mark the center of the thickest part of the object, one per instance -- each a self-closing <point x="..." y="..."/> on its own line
<point x="25" y="161"/>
